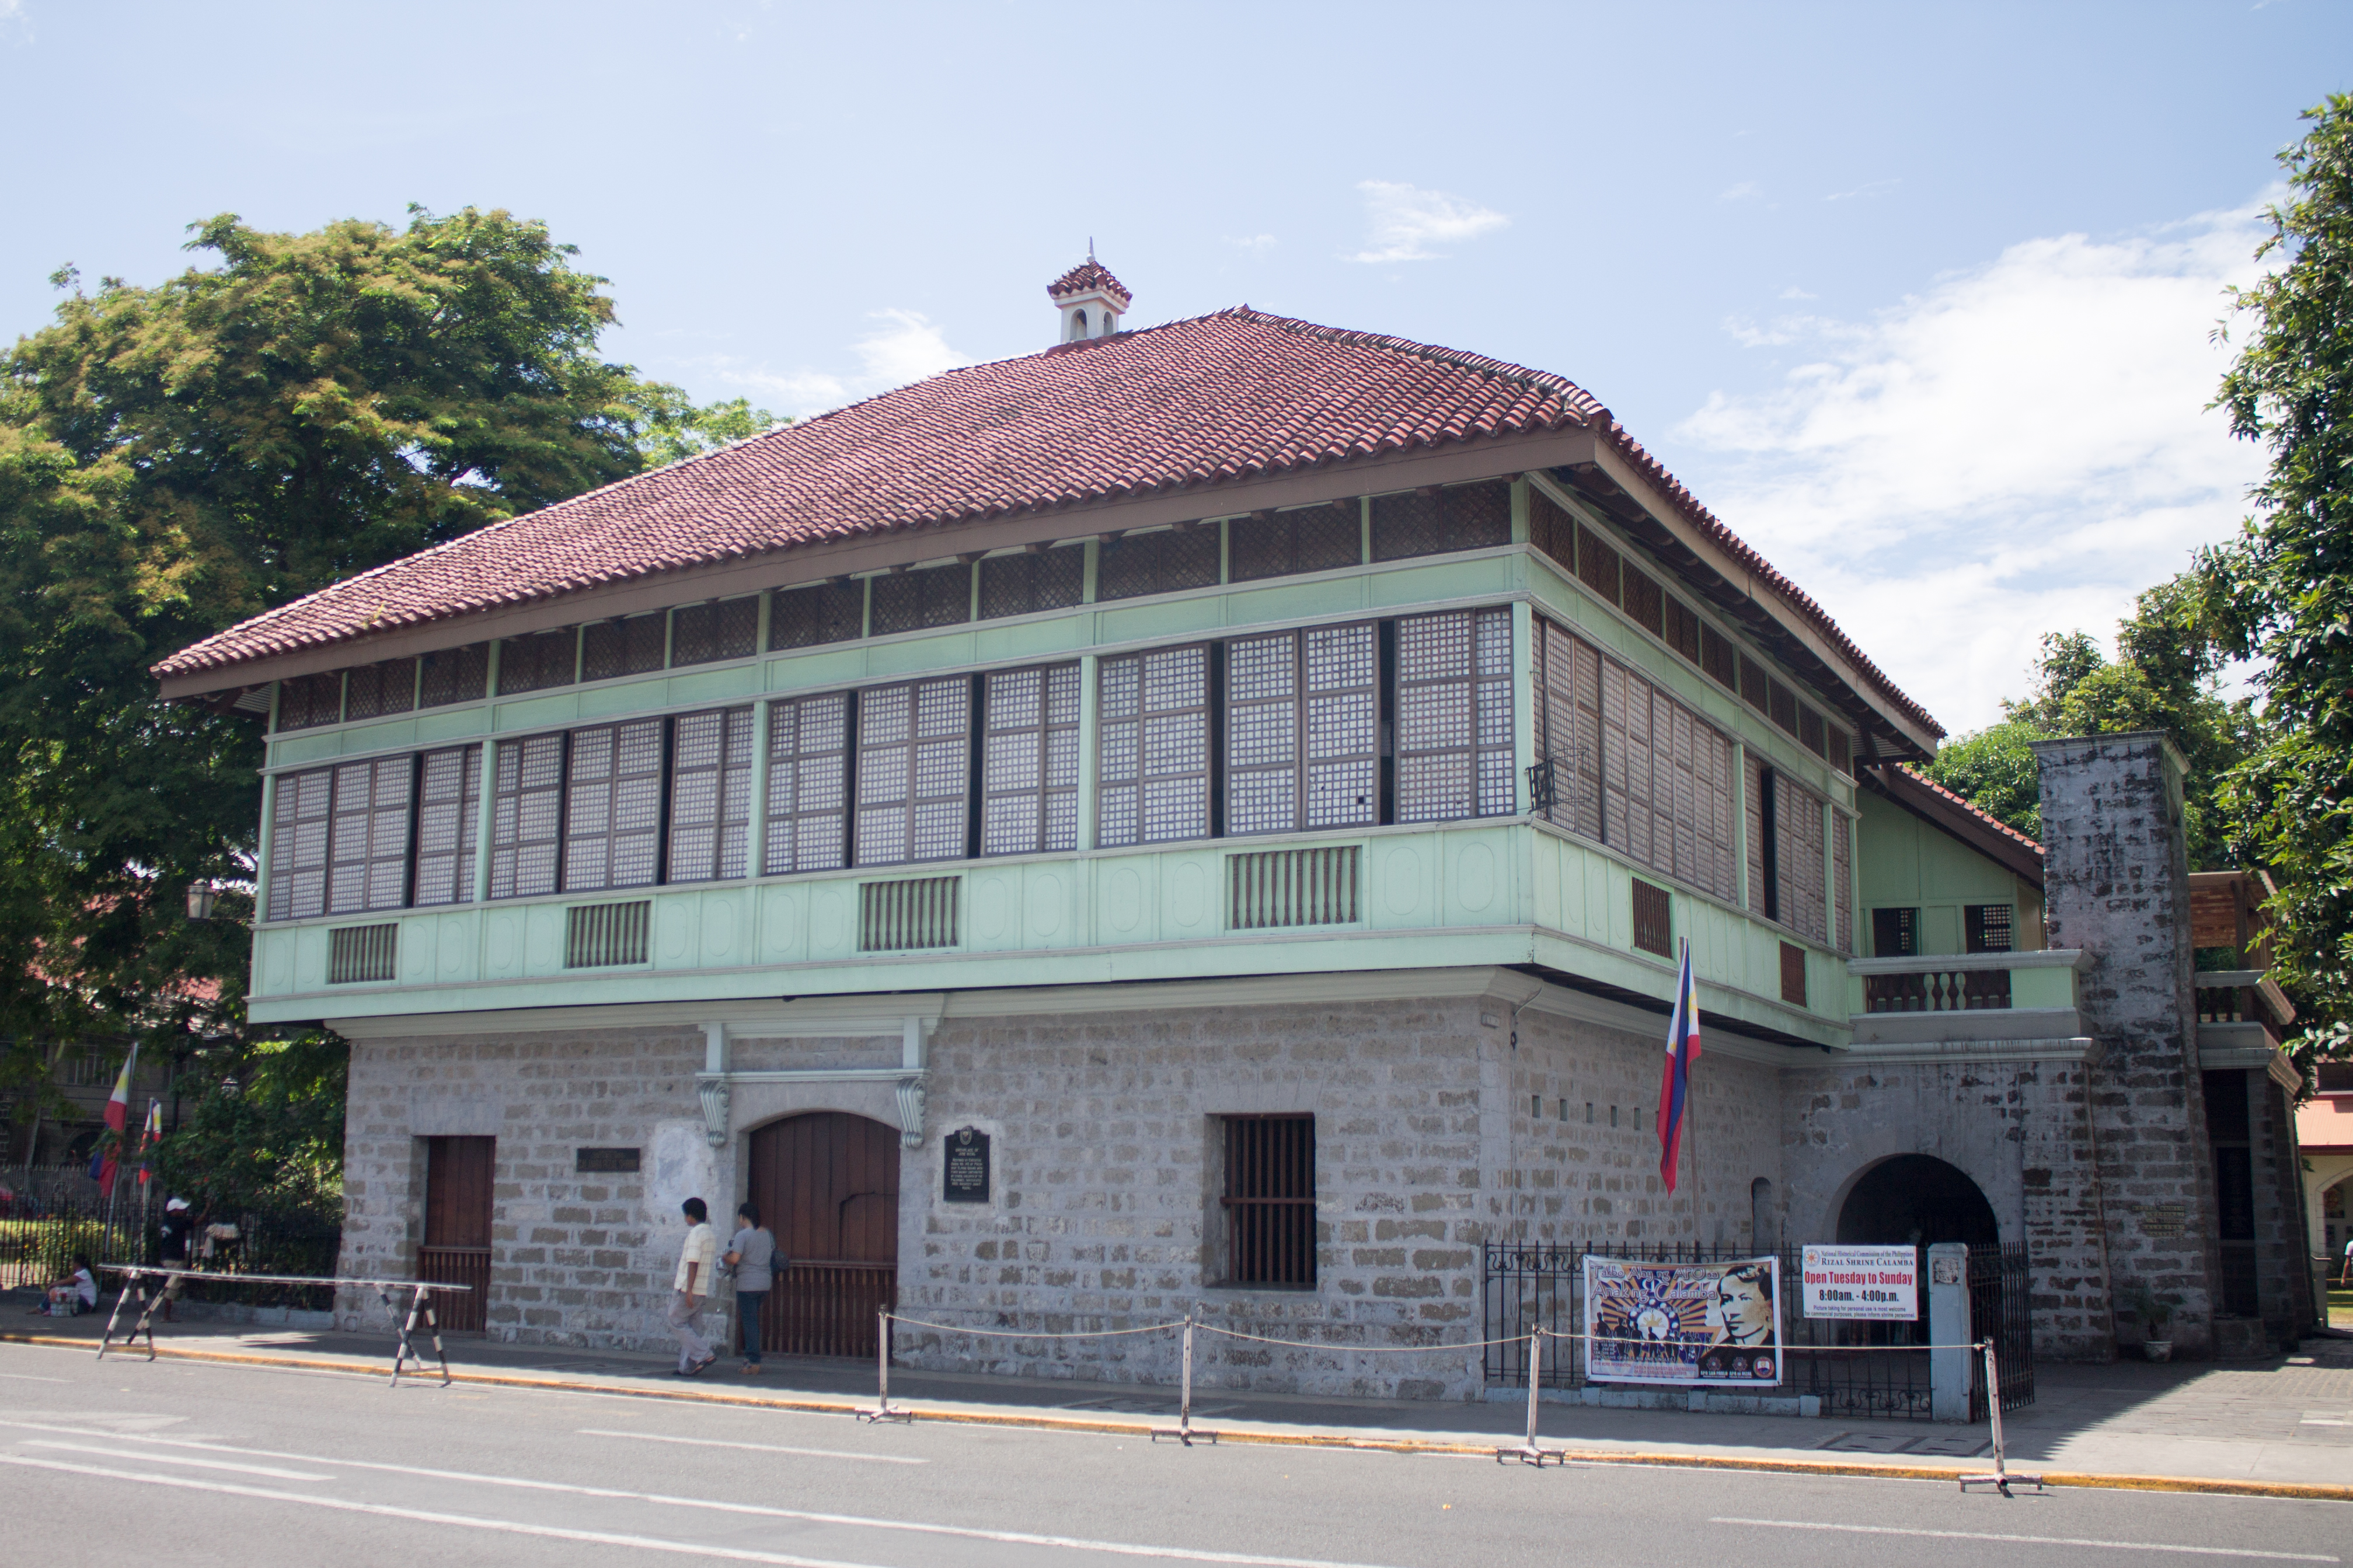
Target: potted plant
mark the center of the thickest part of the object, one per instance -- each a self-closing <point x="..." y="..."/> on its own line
<point x="2156" y="1318"/>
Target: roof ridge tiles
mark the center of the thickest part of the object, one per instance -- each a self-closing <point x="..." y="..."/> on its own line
<point x="1996" y="823"/>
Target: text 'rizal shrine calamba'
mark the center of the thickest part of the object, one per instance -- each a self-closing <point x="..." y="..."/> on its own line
<point x="1206" y="820"/>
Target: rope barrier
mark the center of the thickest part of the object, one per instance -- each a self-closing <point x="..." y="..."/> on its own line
<point x="897" y="1321"/>
<point x="1371" y="1350"/>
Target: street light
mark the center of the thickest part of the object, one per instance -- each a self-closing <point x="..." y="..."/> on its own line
<point x="202" y="896"/>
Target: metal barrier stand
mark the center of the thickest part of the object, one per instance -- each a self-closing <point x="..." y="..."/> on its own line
<point x="1531" y="1452"/>
<point x="1999" y="1479"/>
<point x="882" y="1411"/>
<point x="135" y="1273"/>
<point x="1183" y="1431"/>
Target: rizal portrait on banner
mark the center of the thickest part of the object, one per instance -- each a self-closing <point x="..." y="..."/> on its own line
<point x="1713" y="1325"/>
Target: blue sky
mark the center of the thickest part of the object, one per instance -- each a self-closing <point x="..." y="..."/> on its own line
<point x="1917" y="298"/>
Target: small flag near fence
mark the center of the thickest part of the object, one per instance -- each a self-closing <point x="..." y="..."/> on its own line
<point x="1683" y="1050"/>
<point x="149" y="1136"/>
<point x="118" y="1114"/>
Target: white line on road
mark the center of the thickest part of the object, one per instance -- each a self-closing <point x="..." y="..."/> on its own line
<point x="857" y="1522"/>
<point x="2035" y="1539"/>
<point x="28" y="1377"/>
<point x="423" y="1516"/>
<point x="755" y="1447"/>
<point x="270" y="1472"/>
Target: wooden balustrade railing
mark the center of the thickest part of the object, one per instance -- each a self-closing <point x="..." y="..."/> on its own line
<point x="1936" y="991"/>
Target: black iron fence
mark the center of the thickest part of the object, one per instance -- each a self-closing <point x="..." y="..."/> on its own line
<point x="1859" y="1368"/>
<point x="1999" y="1311"/>
<point x="39" y="1240"/>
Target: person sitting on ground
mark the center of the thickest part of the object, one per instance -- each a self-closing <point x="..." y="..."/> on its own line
<point x="75" y="1294"/>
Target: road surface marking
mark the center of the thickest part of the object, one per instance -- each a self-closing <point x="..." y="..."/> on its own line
<point x="28" y="1377"/>
<point x="2036" y="1540"/>
<point x="755" y="1447"/>
<point x="424" y="1516"/>
<point x="857" y="1522"/>
<point x="176" y="1459"/>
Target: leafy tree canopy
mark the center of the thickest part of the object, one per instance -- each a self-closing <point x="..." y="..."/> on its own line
<point x="2284" y="591"/>
<point x="176" y="458"/>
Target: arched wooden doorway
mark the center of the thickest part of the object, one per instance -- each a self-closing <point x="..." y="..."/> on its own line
<point x="828" y="1184"/>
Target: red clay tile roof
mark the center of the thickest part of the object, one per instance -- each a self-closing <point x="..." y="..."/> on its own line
<point x="1089" y="274"/>
<point x="1235" y="395"/>
<point x="1996" y="823"/>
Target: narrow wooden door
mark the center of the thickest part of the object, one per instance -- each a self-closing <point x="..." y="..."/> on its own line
<point x="457" y="1248"/>
<point x="828" y="1185"/>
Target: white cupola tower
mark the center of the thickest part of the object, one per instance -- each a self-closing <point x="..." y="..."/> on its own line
<point x="1091" y="300"/>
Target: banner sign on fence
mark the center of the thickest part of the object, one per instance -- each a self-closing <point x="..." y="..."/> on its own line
<point x="1875" y="1282"/>
<point x="1697" y="1324"/>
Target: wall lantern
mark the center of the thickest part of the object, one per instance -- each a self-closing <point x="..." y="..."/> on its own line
<point x="202" y="896"/>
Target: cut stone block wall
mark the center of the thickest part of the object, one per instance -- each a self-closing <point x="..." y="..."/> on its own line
<point x="2117" y="886"/>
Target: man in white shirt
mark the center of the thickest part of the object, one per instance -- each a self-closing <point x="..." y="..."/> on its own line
<point x="698" y="1260"/>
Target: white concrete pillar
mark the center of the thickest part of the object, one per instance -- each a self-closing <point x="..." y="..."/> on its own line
<point x="1948" y="1324"/>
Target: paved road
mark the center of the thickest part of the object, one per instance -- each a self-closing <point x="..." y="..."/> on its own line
<point x="124" y="1460"/>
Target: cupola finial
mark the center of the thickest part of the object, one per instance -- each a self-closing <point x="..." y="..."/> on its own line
<point x="1091" y="300"/>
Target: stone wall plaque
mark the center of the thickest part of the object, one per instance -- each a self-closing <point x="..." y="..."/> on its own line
<point x="2165" y="1221"/>
<point x="608" y="1161"/>
<point x="967" y="1163"/>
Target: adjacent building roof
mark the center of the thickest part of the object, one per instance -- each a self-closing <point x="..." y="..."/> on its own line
<point x="1197" y="403"/>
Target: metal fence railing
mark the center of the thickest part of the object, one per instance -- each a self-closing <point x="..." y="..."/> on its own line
<point x="1860" y="1369"/>
<point x="39" y="1239"/>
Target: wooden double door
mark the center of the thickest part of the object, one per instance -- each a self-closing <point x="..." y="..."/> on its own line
<point x="826" y="1183"/>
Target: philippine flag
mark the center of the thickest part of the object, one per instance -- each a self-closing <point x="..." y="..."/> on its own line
<point x="118" y="1113"/>
<point x="1674" y="1081"/>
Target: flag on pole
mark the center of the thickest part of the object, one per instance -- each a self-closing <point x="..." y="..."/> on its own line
<point x="149" y="1136"/>
<point x="118" y="1115"/>
<point x="1683" y="1050"/>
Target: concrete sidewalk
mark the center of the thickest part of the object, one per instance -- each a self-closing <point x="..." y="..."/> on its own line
<point x="2283" y="1427"/>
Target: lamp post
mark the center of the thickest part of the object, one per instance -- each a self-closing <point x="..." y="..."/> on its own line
<point x="202" y="896"/>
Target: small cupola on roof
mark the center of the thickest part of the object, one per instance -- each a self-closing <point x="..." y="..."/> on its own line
<point x="1091" y="298"/>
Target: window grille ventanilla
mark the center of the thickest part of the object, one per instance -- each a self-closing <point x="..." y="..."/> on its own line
<point x="917" y="913"/>
<point x="359" y="953"/>
<point x="1292" y="888"/>
<point x="1655" y="925"/>
<point x="599" y="936"/>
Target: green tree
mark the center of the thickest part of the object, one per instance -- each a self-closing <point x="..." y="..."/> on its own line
<point x="670" y="427"/>
<point x="2284" y="590"/>
<point x="173" y="460"/>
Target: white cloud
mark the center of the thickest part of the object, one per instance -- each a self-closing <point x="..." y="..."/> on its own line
<point x="2019" y="449"/>
<point x="1404" y="221"/>
<point x="1745" y="191"/>
<point x="1794" y="292"/>
<point x="1250" y="242"/>
<point x="1873" y="188"/>
<point x="909" y="348"/>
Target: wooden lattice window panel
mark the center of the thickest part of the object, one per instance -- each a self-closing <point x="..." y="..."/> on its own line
<point x="914" y="765"/>
<point x="1455" y="716"/>
<point x="1682" y="629"/>
<point x="1757" y="807"/>
<point x="1597" y="563"/>
<point x="1572" y="730"/>
<point x="633" y="645"/>
<point x="1032" y="581"/>
<point x="1843" y="882"/>
<point x="1151" y="767"/>
<point x="1269" y="1200"/>
<point x="1552" y="530"/>
<point x="367" y="845"/>
<point x="1796" y="830"/>
<point x="710" y="795"/>
<point x="809" y="784"/>
<point x="449" y="807"/>
<point x="455" y="675"/>
<point x="824" y="613"/>
<point x="526" y="816"/>
<point x="1811" y="733"/>
<point x="1029" y="760"/>
<point x="1754" y="683"/>
<point x="915" y="601"/>
<point x="1309" y="539"/>
<point x="1301" y="725"/>
<point x="301" y="806"/>
<point x="704" y="634"/>
<point x="310" y="700"/>
<point x="1167" y="563"/>
<point x="612" y="808"/>
<point x="378" y="690"/>
<point x="1716" y="658"/>
<point x="1840" y="750"/>
<point x="537" y="663"/>
<point x="1781" y="706"/>
<point x="1645" y="604"/>
<point x="1665" y="783"/>
<point x="1793" y="975"/>
<point x="1654" y="924"/>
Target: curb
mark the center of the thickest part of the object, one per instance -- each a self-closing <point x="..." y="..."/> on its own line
<point x="2211" y="1486"/>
